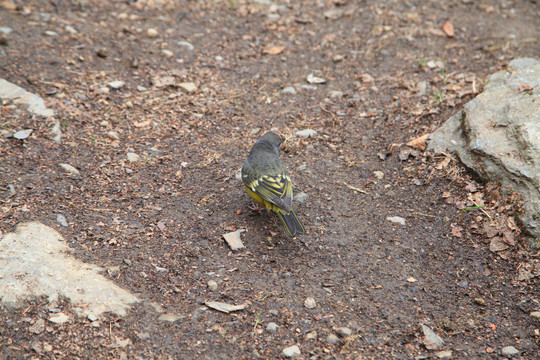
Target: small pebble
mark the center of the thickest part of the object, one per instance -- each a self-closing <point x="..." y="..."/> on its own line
<point x="167" y="53"/>
<point x="70" y="169"/>
<point x="132" y="157"/>
<point x="61" y="219"/>
<point x="212" y="284"/>
<point x="307" y="133"/>
<point x="378" y="174"/>
<point x="445" y="354"/>
<point x="292" y="351"/>
<point x="335" y="94"/>
<point x="311" y="335"/>
<point x="70" y="29"/>
<point x="272" y="327"/>
<point x="509" y="351"/>
<point x="332" y="339"/>
<point x="536" y="314"/>
<point x="396" y="219"/>
<point x="310" y="303"/>
<point x="188" y="87"/>
<point x="113" y="135"/>
<point x="186" y="45"/>
<point x="152" y="33"/>
<point x="51" y="33"/>
<point x="104" y="123"/>
<point x="116" y="84"/>
<point x="141" y="88"/>
<point x="254" y="131"/>
<point x="168" y="317"/>
<point x="480" y="301"/>
<point x="344" y="331"/>
<point x="312" y="79"/>
<point x="127" y="262"/>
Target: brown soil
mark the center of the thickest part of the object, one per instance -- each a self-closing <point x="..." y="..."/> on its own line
<point x="378" y="278"/>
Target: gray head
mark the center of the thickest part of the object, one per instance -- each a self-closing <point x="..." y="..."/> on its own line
<point x="271" y="138"/>
<point x="269" y="141"/>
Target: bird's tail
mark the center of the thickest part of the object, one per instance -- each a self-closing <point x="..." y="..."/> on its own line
<point x="293" y="227"/>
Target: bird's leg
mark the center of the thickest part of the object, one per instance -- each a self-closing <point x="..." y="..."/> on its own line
<point x="255" y="207"/>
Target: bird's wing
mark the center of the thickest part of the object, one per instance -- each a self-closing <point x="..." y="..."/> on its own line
<point x="274" y="188"/>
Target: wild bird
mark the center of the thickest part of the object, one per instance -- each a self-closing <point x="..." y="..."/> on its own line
<point x="268" y="183"/>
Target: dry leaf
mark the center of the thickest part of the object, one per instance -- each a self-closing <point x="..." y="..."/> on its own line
<point x="419" y="142"/>
<point x="274" y="50"/>
<point x="456" y="231"/>
<point x="524" y="87"/>
<point x="448" y="29"/>
<point x="497" y="244"/>
<point x="443" y="163"/>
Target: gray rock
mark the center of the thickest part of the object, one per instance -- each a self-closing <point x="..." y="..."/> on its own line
<point x="344" y="331"/>
<point x="133" y="157"/>
<point x="497" y="135"/>
<point x="432" y="340"/>
<point x="536" y="314"/>
<point x="272" y="327"/>
<point x="82" y="283"/>
<point x="5" y="30"/>
<point x="61" y="219"/>
<point x="292" y="351"/>
<point x="35" y="104"/>
<point x="509" y="351"/>
<point x="332" y="339"/>
<point x="70" y="169"/>
<point x="212" y="285"/>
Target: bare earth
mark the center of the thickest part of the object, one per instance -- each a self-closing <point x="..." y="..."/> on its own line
<point x="168" y="210"/>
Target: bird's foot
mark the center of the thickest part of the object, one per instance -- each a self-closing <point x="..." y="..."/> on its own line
<point x="255" y="207"/>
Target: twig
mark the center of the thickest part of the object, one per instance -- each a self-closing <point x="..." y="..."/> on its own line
<point x="355" y="188"/>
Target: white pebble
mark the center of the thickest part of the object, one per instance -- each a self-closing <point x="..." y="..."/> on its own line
<point x="307" y="133"/>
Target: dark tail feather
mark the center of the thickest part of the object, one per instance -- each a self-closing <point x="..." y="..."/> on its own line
<point x="292" y="224"/>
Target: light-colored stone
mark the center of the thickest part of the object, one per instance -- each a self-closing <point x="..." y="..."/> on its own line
<point x="58" y="273"/>
<point x="307" y="133"/>
<point x="292" y="351"/>
<point x="152" y="33"/>
<point x="509" y="351"/>
<point x="70" y="169"/>
<point x="132" y="157"/>
<point x="445" y="354"/>
<point x="310" y="303"/>
<point x="497" y="135"/>
<point x="332" y="339"/>
<point x="19" y="96"/>
<point x="117" y="84"/>
<point x="169" y="317"/>
<point x="536" y="314"/>
<point x="396" y="219"/>
<point x="188" y="87"/>
<point x="272" y="327"/>
<point x="212" y="285"/>
<point x="432" y="341"/>
<point x="233" y="240"/>
<point x="59" y="318"/>
<point x="289" y="90"/>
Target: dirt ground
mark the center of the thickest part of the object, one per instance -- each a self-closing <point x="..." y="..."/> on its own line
<point x="393" y="72"/>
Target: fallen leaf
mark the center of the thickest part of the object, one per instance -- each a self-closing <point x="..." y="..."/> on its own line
<point x="448" y="29"/>
<point x="274" y="50"/>
<point x="456" y="231"/>
<point x="525" y="87"/>
<point x="497" y="244"/>
<point x="419" y="142"/>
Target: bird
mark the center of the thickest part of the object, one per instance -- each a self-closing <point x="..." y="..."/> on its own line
<point x="268" y="183"/>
